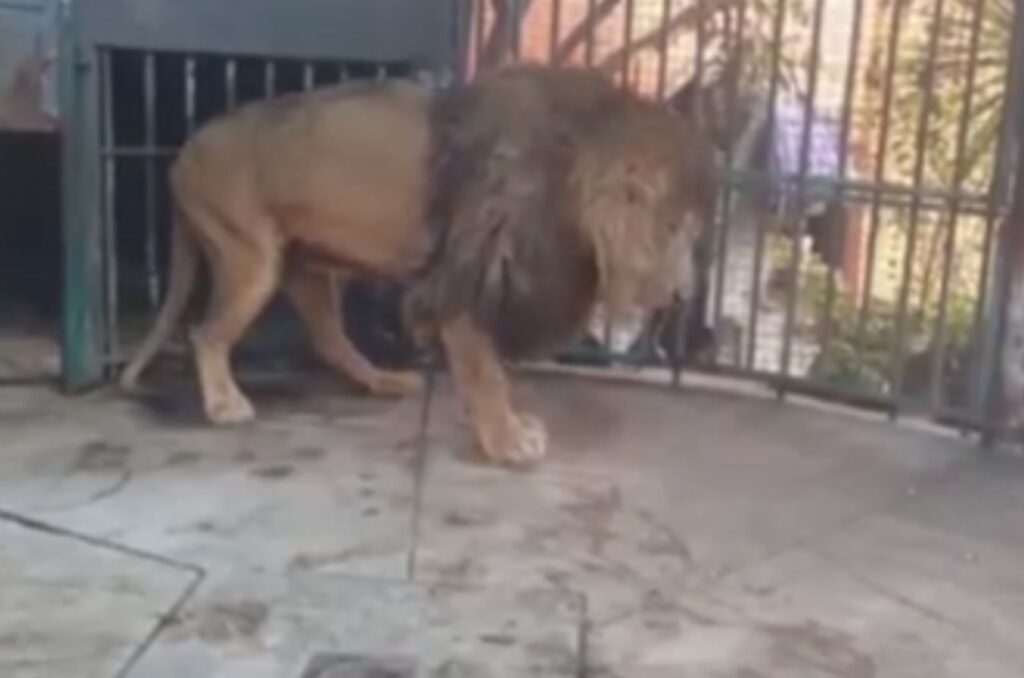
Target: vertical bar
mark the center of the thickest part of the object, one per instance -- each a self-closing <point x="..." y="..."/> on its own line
<point x="773" y="93"/>
<point x="480" y="11"/>
<point x="190" y="94"/>
<point x="269" y="79"/>
<point x="666" y="17"/>
<point x="556" y="30"/>
<point x="700" y="43"/>
<point x="231" y="82"/>
<point x="515" y="9"/>
<point x="591" y="44"/>
<point x="107" y="210"/>
<point x="629" y="9"/>
<point x="308" y="77"/>
<point x="899" y="350"/>
<point x="149" y="97"/>
<point x="343" y="74"/>
<point x="880" y="166"/>
<point x="939" y="353"/>
<point x="81" y="313"/>
<point x="1010" y="263"/>
<point x="734" y="69"/>
<point x="849" y="86"/>
<point x="801" y="191"/>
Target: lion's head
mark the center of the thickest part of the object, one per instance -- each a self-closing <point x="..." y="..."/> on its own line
<point x="555" y="190"/>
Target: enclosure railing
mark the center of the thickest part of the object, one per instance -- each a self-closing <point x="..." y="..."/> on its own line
<point x="864" y="250"/>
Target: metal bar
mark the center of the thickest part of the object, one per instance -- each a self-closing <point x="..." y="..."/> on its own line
<point x="138" y="152"/>
<point x="107" y="210"/>
<point x="666" y="17"/>
<point x="880" y="165"/>
<point x="844" y="149"/>
<point x="149" y="196"/>
<point x="773" y="92"/>
<point x="722" y="244"/>
<point x="892" y="195"/>
<point x="899" y="350"/>
<point x="480" y="10"/>
<point x="231" y="82"/>
<point x="805" y="157"/>
<point x="190" y="94"/>
<point x="1010" y="266"/>
<point x="269" y="79"/>
<point x="939" y="350"/>
<point x="591" y="44"/>
<point x="343" y="73"/>
<point x="700" y="43"/>
<point x="628" y="9"/>
<point x="556" y="30"/>
<point x="308" y="76"/>
<point x="983" y="337"/>
<point x="381" y="31"/>
<point x="514" y="36"/>
<point x="81" y="313"/>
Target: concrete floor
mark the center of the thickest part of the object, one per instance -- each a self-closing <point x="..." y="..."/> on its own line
<point x="700" y="534"/>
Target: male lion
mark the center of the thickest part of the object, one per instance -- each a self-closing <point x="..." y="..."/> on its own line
<point x="511" y="206"/>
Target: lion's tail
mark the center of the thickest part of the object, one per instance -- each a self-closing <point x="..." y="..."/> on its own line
<point x="184" y="262"/>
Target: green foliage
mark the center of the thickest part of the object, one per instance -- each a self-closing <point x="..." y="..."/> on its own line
<point x="857" y="357"/>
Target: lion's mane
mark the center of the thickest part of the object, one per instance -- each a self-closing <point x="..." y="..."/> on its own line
<point x="553" y="191"/>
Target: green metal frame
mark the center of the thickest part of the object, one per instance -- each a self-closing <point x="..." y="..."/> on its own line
<point x="429" y="34"/>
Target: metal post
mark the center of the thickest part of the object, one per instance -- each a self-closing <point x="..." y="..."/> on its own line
<point x="1008" y="346"/>
<point x="82" y="316"/>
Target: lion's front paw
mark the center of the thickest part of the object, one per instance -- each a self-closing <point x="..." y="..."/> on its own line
<point x="395" y="384"/>
<point x="523" y="441"/>
<point x="230" y="410"/>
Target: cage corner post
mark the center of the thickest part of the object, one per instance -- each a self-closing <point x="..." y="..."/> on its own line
<point x="1003" y="337"/>
<point x="81" y="334"/>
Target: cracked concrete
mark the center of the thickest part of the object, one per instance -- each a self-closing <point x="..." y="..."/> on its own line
<point x="698" y="534"/>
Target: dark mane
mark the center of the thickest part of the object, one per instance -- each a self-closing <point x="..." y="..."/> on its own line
<point x="509" y="251"/>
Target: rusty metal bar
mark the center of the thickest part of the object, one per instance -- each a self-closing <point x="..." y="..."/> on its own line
<point x="231" y="82"/>
<point x="591" y="43"/>
<point x="773" y="93"/>
<point x="629" y="9"/>
<point x="881" y="155"/>
<point x="149" y="96"/>
<point x="556" y="29"/>
<point x="666" y="16"/>
<point x="514" y="12"/>
<point x="480" y="14"/>
<point x="963" y="124"/>
<point x="700" y="43"/>
<point x="800" y="199"/>
<point x="899" y="350"/>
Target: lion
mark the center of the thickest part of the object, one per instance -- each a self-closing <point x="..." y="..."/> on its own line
<point x="510" y="207"/>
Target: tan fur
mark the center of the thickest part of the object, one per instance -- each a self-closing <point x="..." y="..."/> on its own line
<point x="512" y="206"/>
<point x="308" y="190"/>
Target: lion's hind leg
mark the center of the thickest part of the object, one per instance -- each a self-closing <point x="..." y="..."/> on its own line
<point x="245" y="271"/>
<point x="315" y="294"/>
<point x="503" y="435"/>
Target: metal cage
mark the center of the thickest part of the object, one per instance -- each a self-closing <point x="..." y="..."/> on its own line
<point x="828" y="123"/>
